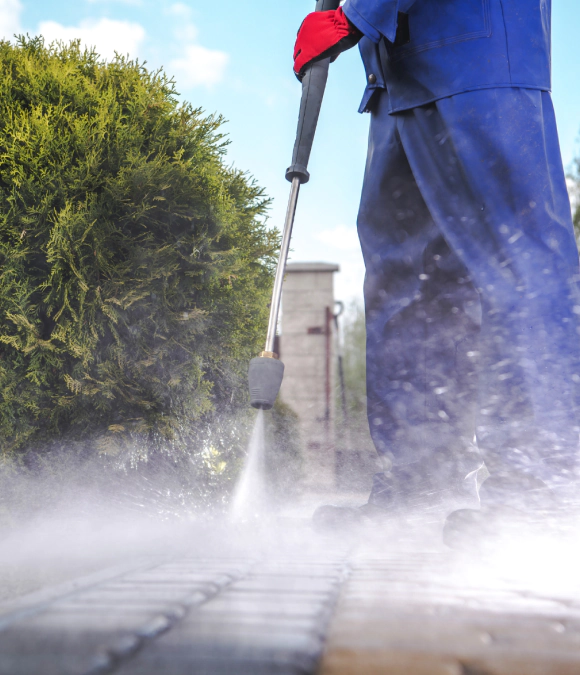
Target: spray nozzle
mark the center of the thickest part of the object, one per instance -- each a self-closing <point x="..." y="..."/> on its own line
<point x="265" y="378"/>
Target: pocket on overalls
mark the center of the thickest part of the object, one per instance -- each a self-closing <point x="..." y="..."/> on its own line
<point x="434" y="23"/>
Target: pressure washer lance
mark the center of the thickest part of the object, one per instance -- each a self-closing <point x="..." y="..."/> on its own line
<point x="266" y="371"/>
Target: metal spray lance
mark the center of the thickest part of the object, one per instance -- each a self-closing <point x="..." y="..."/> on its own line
<point x="266" y="371"/>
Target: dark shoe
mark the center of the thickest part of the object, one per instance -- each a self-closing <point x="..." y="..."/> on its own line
<point x="515" y="505"/>
<point x="386" y="498"/>
<point x="406" y="490"/>
<point x="473" y="530"/>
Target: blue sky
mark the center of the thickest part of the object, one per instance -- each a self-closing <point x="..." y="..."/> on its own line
<point x="234" y="58"/>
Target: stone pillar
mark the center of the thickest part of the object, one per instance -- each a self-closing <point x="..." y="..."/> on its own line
<point x="307" y="348"/>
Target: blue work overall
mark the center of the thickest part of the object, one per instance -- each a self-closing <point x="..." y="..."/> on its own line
<point x="471" y="286"/>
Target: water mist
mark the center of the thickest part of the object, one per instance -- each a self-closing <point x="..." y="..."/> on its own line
<point x="250" y="499"/>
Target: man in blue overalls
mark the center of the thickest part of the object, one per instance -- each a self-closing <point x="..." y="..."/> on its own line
<point x="472" y="305"/>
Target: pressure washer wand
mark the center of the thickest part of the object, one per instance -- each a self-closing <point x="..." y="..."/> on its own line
<point x="266" y="371"/>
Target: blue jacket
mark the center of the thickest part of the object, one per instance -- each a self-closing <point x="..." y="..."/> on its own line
<point x="425" y="50"/>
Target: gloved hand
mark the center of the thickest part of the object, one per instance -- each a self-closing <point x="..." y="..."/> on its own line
<point x="323" y="35"/>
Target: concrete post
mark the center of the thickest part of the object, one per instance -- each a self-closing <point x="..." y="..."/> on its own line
<point x="308" y="352"/>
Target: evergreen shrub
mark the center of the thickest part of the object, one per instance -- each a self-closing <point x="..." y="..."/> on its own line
<point x="135" y="263"/>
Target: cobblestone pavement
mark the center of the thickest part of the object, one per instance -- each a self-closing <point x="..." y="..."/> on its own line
<point x="251" y="605"/>
<point x="287" y="602"/>
<point x="421" y="609"/>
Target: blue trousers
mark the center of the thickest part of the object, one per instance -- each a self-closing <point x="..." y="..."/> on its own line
<point x="471" y="289"/>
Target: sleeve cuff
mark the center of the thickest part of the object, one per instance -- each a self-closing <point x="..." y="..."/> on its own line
<point x="375" y="18"/>
<point x="364" y="26"/>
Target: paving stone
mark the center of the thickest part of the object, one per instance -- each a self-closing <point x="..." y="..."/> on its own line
<point x="406" y="610"/>
<point x="306" y="571"/>
<point x="271" y="607"/>
<point x="284" y="585"/>
<point x="118" y="597"/>
<point x="63" y="644"/>
<point x="385" y="662"/>
<point x="165" y="576"/>
<point x="165" y="609"/>
<point x="157" y="664"/>
<point x="278" y="597"/>
<point x="35" y="602"/>
<point x="241" y="640"/>
<point x="272" y="621"/>
<point x="344" y="661"/>
<point x="234" y="622"/>
<point x="206" y="570"/>
<point x="510" y="664"/>
<point x="89" y="629"/>
<point x="414" y="616"/>
<point x="190" y="646"/>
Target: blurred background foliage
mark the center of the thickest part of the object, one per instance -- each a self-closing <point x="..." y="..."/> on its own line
<point x="574" y="191"/>
<point x="357" y="457"/>
<point x="136" y="270"/>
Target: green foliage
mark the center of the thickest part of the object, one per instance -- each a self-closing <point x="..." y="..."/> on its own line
<point x="136" y="266"/>
<point x="357" y="456"/>
<point x="574" y="191"/>
<point x="354" y="362"/>
<point x="576" y="219"/>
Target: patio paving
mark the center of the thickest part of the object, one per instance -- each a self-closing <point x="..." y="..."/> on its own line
<point x="288" y="601"/>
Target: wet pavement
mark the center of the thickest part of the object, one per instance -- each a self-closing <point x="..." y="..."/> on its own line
<point x="287" y="601"/>
<point x="428" y="611"/>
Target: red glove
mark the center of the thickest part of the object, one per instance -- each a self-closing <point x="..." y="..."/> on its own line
<point x="323" y="34"/>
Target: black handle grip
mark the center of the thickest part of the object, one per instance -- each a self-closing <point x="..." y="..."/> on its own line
<point x="325" y="5"/>
<point x="313" y="86"/>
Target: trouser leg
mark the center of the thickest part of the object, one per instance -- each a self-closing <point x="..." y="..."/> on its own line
<point x="488" y="167"/>
<point x="422" y="319"/>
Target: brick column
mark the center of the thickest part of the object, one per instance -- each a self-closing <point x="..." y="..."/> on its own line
<point x="307" y="350"/>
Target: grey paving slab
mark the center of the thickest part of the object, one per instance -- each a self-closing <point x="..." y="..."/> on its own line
<point x="219" y="622"/>
<point x="64" y="644"/>
<point x="32" y="603"/>
<point x="271" y="622"/>
<point x="178" y="577"/>
<point x="285" y="585"/>
<point x="189" y="646"/>
<point x="241" y="641"/>
<point x="160" y="663"/>
<point x="92" y="627"/>
<point x="269" y="609"/>
<point x="109" y="605"/>
<point x="133" y="595"/>
<point x="410" y="609"/>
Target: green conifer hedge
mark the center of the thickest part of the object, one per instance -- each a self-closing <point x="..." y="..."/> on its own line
<point x="135" y="263"/>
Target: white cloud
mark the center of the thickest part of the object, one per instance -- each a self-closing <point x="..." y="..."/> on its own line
<point x="196" y="65"/>
<point x="106" y="35"/>
<point x="199" y="66"/>
<point x="10" y="18"/>
<point x="185" y="31"/>
<point x="340" y="237"/>
<point x="340" y="245"/>
<point x="180" y="10"/>
<point x="348" y="283"/>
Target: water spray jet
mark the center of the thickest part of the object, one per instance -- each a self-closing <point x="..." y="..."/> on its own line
<point x="266" y="370"/>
